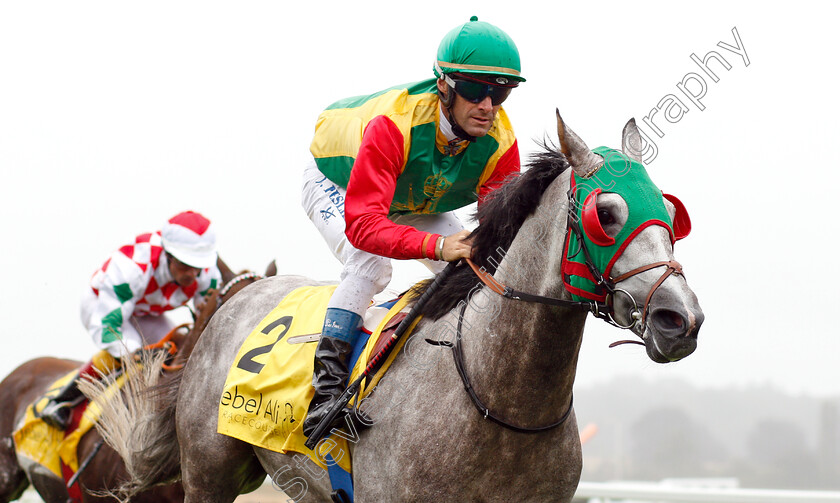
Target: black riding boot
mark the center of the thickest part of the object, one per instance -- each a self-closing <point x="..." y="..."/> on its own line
<point x="341" y="328"/>
<point x="329" y="379"/>
<point x="56" y="412"/>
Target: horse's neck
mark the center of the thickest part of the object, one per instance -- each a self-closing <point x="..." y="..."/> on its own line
<point x="527" y="347"/>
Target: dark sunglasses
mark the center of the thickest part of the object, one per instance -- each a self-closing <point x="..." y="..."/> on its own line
<point x="475" y="92"/>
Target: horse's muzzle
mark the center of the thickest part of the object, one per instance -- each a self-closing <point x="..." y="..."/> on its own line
<point x="672" y="334"/>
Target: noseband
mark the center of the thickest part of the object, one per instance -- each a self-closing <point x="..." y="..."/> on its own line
<point x="672" y="267"/>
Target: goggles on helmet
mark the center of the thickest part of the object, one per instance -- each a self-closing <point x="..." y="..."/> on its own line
<point x="475" y="91"/>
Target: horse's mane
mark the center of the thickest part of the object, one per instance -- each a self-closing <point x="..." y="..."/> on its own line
<point x="500" y="216"/>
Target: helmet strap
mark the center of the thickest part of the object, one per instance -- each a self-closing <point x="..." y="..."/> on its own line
<point x="459" y="131"/>
<point x="448" y="101"/>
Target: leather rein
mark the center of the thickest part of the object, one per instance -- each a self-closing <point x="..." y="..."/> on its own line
<point x="602" y="310"/>
<point x="458" y="355"/>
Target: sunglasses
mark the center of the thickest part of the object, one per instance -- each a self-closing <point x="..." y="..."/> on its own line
<point x="475" y="92"/>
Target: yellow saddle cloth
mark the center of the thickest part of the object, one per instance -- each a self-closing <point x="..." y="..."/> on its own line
<point x="48" y="446"/>
<point x="269" y="386"/>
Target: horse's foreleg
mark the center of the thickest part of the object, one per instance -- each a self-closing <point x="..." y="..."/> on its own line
<point x="13" y="480"/>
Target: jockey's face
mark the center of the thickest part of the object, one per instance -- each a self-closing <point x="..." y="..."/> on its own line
<point x="183" y="274"/>
<point x="474" y="118"/>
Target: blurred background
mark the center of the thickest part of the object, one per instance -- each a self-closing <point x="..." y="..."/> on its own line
<point x="116" y="116"/>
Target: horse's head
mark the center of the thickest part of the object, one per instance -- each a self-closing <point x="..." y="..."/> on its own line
<point x="619" y="249"/>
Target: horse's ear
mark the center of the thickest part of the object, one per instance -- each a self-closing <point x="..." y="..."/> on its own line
<point x="631" y="141"/>
<point x="582" y="160"/>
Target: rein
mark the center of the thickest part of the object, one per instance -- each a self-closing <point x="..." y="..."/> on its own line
<point x="597" y="308"/>
<point x="166" y="344"/>
<point x="458" y="355"/>
<point x="600" y="310"/>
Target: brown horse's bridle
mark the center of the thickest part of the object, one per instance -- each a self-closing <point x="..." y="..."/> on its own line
<point x="602" y="310"/>
<point x="238" y="279"/>
<point x="599" y="309"/>
<point x="671" y="267"/>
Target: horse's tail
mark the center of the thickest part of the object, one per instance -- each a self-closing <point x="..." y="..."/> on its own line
<point x="139" y="422"/>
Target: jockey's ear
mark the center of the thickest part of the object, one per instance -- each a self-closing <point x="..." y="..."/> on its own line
<point x="443" y="93"/>
<point x="441" y="86"/>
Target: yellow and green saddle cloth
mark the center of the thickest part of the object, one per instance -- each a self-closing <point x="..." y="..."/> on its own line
<point x="47" y="446"/>
<point x="269" y="386"/>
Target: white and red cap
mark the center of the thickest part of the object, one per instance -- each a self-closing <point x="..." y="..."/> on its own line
<point x="190" y="238"/>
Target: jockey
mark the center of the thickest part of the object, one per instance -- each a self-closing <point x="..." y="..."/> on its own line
<point x="122" y="307"/>
<point x="389" y="170"/>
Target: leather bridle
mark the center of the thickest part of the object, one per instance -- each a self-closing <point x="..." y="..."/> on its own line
<point x="603" y="310"/>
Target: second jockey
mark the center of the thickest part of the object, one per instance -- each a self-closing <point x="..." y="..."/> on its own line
<point x="123" y="307"/>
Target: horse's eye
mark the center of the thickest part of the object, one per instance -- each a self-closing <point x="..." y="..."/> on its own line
<point x="605" y="217"/>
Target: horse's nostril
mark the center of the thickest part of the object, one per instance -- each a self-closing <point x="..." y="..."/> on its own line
<point x="669" y="321"/>
<point x="676" y="319"/>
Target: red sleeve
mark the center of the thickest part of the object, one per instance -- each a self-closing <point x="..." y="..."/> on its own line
<point x="370" y="192"/>
<point x="508" y="165"/>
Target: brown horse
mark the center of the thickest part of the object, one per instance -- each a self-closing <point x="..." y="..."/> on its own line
<point x="105" y="470"/>
<point x="19" y="389"/>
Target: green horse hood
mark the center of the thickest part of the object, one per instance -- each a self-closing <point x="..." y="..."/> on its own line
<point x="628" y="178"/>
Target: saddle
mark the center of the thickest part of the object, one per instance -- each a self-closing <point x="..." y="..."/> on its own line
<point x="269" y="385"/>
<point x="43" y="448"/>
<point x="48" y="450"/>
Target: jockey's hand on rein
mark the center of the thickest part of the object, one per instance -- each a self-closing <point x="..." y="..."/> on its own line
<point x="455" y="246"/>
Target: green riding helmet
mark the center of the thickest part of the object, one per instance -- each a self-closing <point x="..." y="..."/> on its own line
<point x="477" y="47"/>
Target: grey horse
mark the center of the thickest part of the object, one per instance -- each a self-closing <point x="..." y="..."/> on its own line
<point x="428" y="441"/>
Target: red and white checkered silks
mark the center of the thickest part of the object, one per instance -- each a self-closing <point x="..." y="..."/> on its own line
<point x="135" y="281"/>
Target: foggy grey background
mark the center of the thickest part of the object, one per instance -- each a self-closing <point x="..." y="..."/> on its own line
<point x="116" y="116"/>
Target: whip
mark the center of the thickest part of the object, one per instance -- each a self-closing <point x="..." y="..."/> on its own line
<point x="351" y="390"/>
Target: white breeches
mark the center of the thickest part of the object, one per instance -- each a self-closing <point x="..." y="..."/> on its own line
<point x="364" y="274"/>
